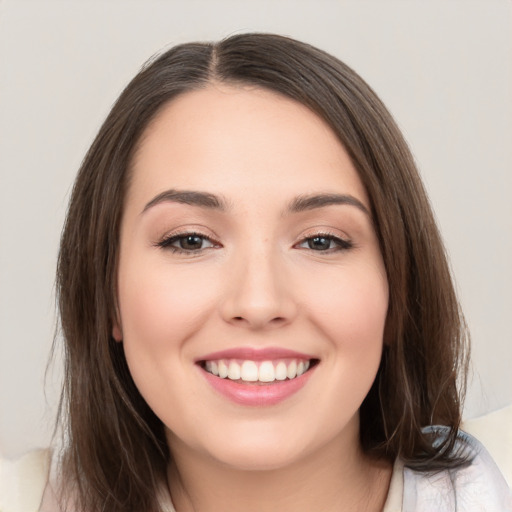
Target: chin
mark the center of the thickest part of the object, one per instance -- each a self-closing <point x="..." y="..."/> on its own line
<point x="258" y="458"/>
<point x="267" y="445"/>
<point x="246" y="446"/>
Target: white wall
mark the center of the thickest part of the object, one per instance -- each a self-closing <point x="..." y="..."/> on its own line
<point x="443" y="67"/>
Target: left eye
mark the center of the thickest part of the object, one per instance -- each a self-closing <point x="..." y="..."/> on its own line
<point x="324" y="243"/>
<point x="189" y="242"/>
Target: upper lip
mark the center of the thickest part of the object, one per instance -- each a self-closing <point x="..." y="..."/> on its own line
<point x="255" y="354"/>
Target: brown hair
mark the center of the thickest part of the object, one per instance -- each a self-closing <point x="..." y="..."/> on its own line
<point x="116" y="455"/>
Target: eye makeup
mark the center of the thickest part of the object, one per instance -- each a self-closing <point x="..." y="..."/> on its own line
<point x="187" y="242"/>
<point x="192" y="242"/>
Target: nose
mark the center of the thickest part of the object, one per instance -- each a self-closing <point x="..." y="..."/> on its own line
<point x="258" y="294"/>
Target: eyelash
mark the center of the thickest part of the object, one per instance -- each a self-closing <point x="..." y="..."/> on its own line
<point x="166" y="243"/>
<point x="341" y="244"/>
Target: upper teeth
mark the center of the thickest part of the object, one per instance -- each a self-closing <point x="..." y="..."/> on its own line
<point x="257" y="371"/>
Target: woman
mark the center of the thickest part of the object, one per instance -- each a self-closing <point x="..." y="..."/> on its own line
<point x="255" y="300"/>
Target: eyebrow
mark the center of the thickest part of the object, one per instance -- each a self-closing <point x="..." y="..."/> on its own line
<point x="190" y="197"/>
<point x="211" y="201"/>
<point x="310" y="202"/>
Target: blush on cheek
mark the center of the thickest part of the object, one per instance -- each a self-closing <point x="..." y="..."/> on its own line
<point x="354" y="312"/>
<point x="165" y="309"/>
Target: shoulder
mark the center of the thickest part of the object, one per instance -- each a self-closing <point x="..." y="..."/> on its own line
<point x="477" y="486"/>
<point x="23" y="481"/>
<point x="494" y="431"/>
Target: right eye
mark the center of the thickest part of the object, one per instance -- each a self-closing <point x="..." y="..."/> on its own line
<point x="187" y="243"/>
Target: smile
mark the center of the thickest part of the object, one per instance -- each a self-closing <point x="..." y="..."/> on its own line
<point x="257" y="371"/>
<point x="257" y="377"/>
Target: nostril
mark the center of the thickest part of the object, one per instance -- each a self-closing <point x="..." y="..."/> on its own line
<point x="258" y="320"/>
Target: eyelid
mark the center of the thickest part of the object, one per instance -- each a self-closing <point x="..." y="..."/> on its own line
<point x="187" y="229"/>
<point x="166" y="241"/>
<point x="343" y="242"/>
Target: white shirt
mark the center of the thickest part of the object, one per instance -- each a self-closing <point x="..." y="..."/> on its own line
<point x="478" y="487"/>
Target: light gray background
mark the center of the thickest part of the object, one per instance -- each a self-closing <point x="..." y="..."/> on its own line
<point x="443" y="67"/>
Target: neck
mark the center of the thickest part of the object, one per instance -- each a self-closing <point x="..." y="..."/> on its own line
<point x="336" y="478"/>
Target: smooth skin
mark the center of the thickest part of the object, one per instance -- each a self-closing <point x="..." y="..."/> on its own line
<point x="241" y="265"/>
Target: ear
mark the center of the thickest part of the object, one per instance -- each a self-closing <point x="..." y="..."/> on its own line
<point x="117" y="332"/>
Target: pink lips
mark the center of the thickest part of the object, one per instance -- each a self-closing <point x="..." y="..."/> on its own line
<point x="255" y="354"/>
<point x="256" y="393"/>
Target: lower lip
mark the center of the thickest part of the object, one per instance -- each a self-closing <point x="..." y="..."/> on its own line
<point x="252" y="394"/>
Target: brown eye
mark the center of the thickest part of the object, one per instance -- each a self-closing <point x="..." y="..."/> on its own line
<point x="190" y="242"/>
<point x="325" y="243"/>
<point x="187" y="242"/>
<point x="319" y="243"/>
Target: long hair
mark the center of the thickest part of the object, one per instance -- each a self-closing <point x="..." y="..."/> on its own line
<point x="116" y="455"/>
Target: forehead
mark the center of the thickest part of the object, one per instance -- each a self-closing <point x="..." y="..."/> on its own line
<point x="231" y="140"/>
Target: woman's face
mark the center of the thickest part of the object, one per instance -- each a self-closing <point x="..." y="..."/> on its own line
<point x="252" y="292"/>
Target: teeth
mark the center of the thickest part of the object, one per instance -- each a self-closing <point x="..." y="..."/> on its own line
<point x="233" y="371"/>
<point x="281" y="371"/>
<point x="223" y="370"/>
<point x="291" y="372"/>
<point x="267" y="372"/>
<point x="249" y="371"/>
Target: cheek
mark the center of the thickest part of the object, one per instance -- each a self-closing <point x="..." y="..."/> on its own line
<point x="351" y="307"/>
<point x="160" y="308"/>
<point x="161" y="311"/>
